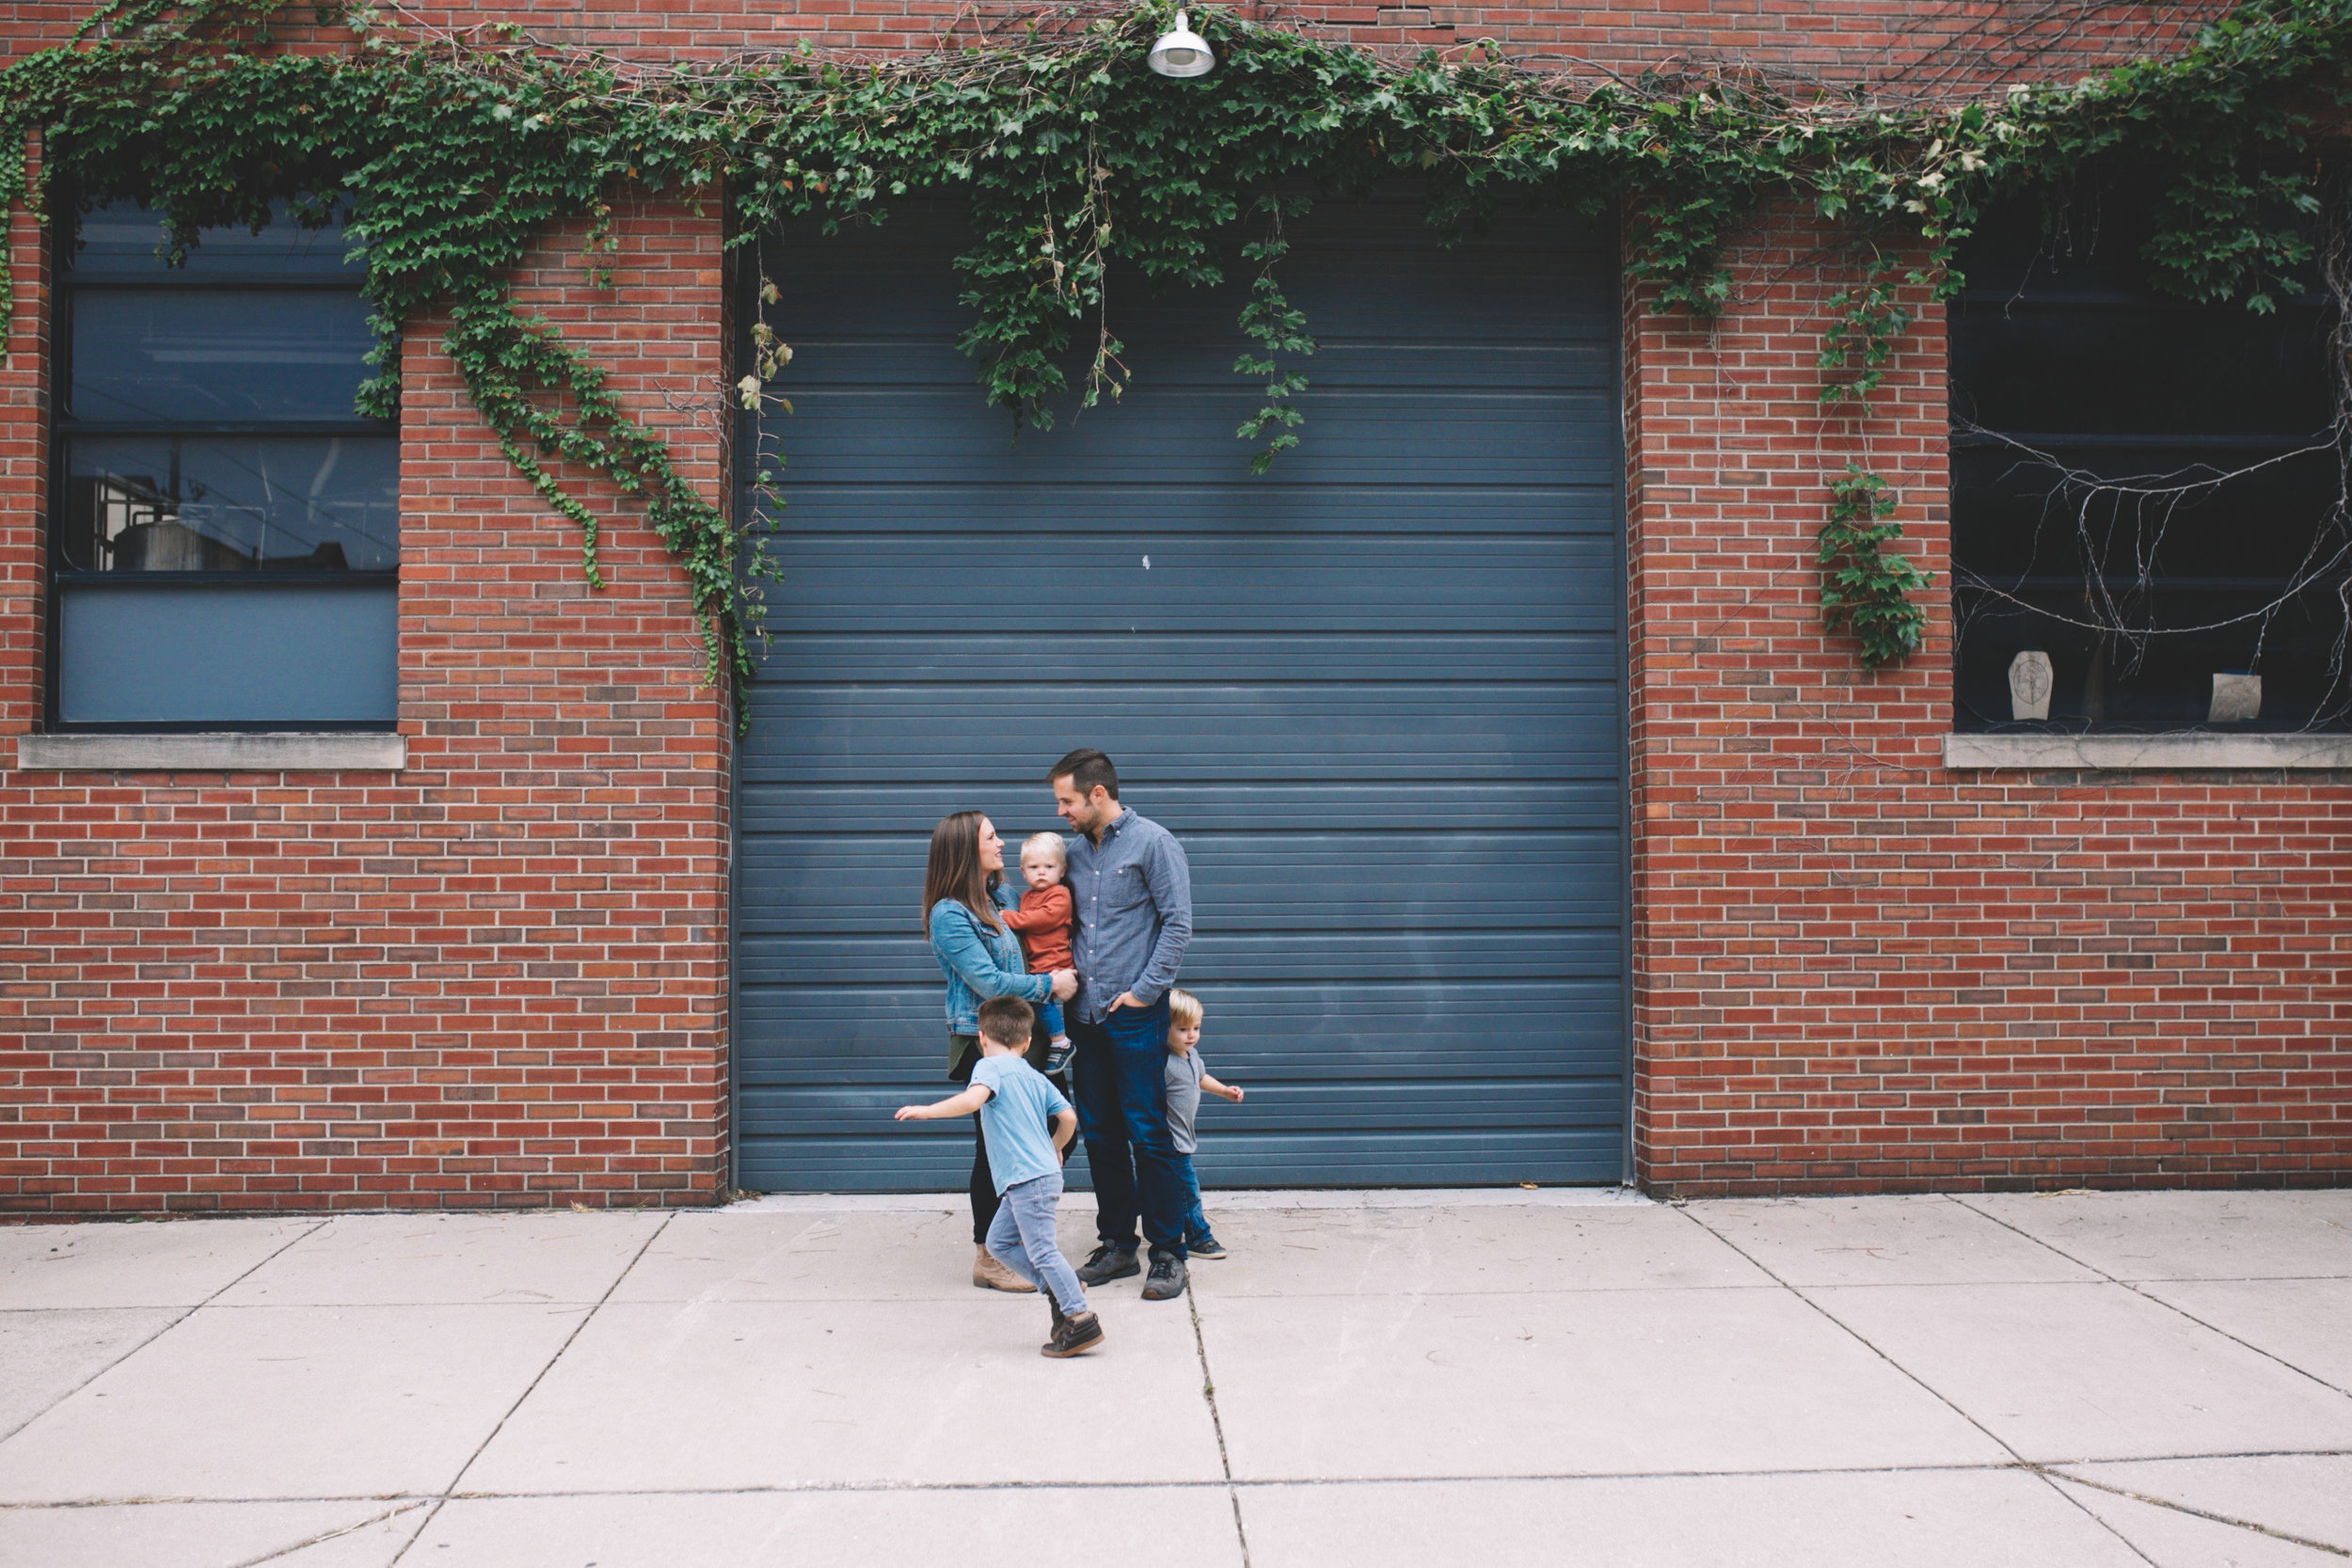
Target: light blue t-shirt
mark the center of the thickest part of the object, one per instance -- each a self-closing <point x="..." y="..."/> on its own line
<point x="1020" y="1103"/>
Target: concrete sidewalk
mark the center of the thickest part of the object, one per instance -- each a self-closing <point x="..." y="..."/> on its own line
<point x="2078" y="1380"/>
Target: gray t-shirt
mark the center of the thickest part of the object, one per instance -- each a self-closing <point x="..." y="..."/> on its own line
<point x="1182" y="1078"/>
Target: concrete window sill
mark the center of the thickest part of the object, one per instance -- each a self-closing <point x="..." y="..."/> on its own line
<point x="275" y="752"/>
<point x="2147" y="753"/>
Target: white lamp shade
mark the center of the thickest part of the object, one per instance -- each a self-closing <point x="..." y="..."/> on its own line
<point x="1182" y="52"/>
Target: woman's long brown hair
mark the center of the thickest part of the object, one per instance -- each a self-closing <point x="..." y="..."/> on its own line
<point x="954" y="871"/>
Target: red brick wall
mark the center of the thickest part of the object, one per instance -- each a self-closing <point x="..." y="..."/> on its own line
<point x="1907" y="48"/>
<point x="1857" y="969"/>
<point x="498" y="978"/>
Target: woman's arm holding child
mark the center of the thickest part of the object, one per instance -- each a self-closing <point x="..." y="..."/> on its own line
<point x="1227" y="1090"/>
<point x="962" y="1105"/>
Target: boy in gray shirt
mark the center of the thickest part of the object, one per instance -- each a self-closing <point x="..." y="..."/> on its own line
<point x="1186" y="1077"/>
<point x="1026" y="1124"/>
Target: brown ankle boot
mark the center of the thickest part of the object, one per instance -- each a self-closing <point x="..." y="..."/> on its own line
<point x="990" y="1275"/>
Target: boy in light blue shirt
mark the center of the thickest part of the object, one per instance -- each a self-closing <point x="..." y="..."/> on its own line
<point x="1026" y="1124"/>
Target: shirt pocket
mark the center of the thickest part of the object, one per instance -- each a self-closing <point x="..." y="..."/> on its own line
<point x="1125" y="890"/>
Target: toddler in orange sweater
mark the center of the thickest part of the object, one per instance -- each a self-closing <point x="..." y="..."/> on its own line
<point x="1042" y="923"/>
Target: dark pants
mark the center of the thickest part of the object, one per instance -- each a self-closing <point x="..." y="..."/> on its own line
<point x="1123" y="1115"/>
<point x="964" y="1049"/>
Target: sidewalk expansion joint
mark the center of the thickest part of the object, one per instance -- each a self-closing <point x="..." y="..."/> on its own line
<point x="130" y="1351"/>
<point x="2134" y="1286"/>
<point x="1216" y="1421"/>
<point x="1938" y="1394"/>
<point x="532" y="1387"/>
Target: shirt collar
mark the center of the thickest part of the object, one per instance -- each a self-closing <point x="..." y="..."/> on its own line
<point x="1112" y="828"/>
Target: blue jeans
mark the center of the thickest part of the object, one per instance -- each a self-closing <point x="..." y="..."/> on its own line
<point x="1123" y="1115"/>
<point x="1195" y="1221"/>
<point x="1049" y="1014"/>
<point x="1021" y="1238"/>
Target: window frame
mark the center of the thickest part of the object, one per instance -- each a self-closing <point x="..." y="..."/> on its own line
<point x="58" y="575"/>
<point x="1980" y="734"/>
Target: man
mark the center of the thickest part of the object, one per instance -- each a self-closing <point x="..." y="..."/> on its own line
<point x="1133" y="894"/>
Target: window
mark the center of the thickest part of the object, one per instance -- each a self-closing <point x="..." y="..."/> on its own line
<point x="2147" y="526"/>
<point x="225" y="542"/>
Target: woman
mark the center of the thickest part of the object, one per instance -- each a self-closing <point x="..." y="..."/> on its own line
<point x="962" y="889"/>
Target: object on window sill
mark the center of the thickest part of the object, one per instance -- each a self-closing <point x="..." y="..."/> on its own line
<point x="2029" y="683"/>
<point x="2236" y="698"/>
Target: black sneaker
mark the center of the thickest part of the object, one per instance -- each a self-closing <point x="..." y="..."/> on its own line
<point x="1073" y="1336"/>
<point x="1208" y="1248"/>
<point x="1107" y="1262"/>
<point x="1168" y="1279"/>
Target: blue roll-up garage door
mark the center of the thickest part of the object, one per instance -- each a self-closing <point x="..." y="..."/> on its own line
<point x="1377" y="694"/>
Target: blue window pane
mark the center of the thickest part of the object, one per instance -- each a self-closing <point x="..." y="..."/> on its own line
<point x="295" y="654"/>
<point x="220" y="503"/>
<point x="120" y="240"/>
<point x="222" y="357"/>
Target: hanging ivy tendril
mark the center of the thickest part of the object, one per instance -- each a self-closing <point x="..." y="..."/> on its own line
<point x="452" y="154"/>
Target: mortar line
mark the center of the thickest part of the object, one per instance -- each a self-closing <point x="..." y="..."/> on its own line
<point x="585" y="1318"/>
<point x="129" y="1352"/>
<point x="1932" y="1392"/>
<point x="2134" y="1287"/>
<point x="2203" y="1513"/>
<point x="1216" y="1421"/>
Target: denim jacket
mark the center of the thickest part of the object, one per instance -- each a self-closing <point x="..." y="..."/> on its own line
<point x="979" y="963"/>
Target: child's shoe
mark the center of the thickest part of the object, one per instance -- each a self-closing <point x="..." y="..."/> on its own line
<point x="1072" y="1336"/>
<point x="1058" y="1055"/>
<point x="1205" y="1247"/>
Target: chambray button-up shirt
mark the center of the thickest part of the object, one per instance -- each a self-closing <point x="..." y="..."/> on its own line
<point x="1134" y="896"/>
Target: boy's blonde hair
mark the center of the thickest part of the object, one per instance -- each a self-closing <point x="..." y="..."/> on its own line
<point x="1046" y="841"/>
<point x="1184" y="1009"/>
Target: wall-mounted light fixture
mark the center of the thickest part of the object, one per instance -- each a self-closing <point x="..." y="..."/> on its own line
<point x="1182" y="52"/>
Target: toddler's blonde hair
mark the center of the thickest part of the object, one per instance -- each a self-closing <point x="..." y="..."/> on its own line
<point x="1046" y="841"/>
<point x="1184" y="1011"/>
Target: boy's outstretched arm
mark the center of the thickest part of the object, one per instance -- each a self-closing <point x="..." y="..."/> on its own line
<point x="1226" y="1090"/>
<point x="962" y="1105"/>
<point x="1064" y="1128"/>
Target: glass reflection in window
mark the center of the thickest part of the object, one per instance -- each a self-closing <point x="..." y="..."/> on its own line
<point x="227" y="504"/>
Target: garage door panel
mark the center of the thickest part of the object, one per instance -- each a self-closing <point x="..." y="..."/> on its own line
<point x="1289" y="1030"/>
<point x="1259" y="882"/>
<point x="900" y="810"/>
<point x="1241" y="584"/>
<point x="1368" y="438"/>
<point x="1357" y="269"/>
<point x="1338" y="364"/>
<point x="1214" y="504"/>
<point x="928" y="1157"/>
<point x="1218" y="955"/>
<point x="1070" y="657"/>
<point x="1377" y="694"/>
<point x="825" y="735"/>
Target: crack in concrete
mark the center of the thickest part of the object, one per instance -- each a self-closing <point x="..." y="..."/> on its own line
<point x="2134" y="1287"/>
<point x="1932" y="1392"/>
<point x="2197" y="1513"/>
<point x="329" y="1535"/>
<point x="569" y="1339"/>
<point x="130" y="1351"/>
<point x="1216" y="1421"/>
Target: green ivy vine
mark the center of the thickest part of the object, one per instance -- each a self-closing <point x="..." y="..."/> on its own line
<point x="454" y="154"/>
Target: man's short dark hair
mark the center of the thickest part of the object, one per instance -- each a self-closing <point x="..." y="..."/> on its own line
<point x="1007" y="1020"/>
<point x="1085" y="768"/>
